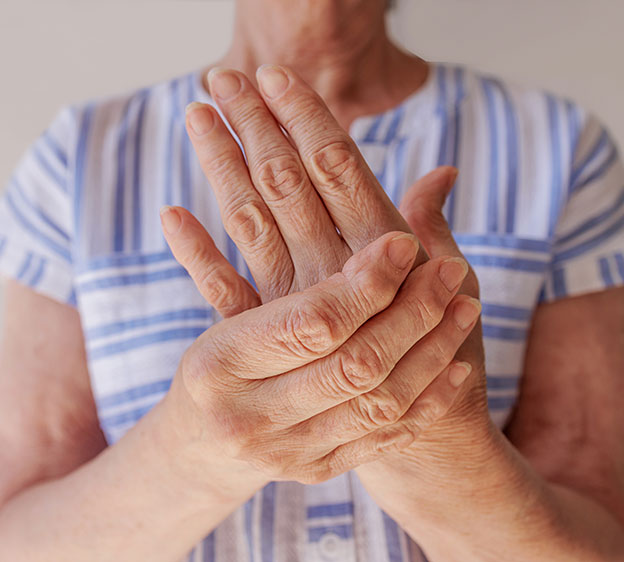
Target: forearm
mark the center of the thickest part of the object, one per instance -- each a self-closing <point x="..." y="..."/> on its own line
<point x="503" y="510"/>
<point x="563" y="526"/>
<point x="135" y="501"/>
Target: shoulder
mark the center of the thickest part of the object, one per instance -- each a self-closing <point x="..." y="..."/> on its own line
<point x="545" y="131"/>
<point x="126" y="155"/>
<point x="570" y="134"/>
<point x="105" y="121"/>
<point x="532" y="108"/>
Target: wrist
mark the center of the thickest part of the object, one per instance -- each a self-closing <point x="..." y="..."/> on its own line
<point x="196" y="469"/>
<point x="456" y="505"/>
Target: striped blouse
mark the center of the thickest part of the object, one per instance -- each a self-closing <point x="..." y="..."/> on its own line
<point x="538" y="211"/>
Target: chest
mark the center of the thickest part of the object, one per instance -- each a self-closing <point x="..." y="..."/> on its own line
<point x="141" y="311"/>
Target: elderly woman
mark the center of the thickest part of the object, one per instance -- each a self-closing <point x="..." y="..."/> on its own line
<point x="339" y="410"/>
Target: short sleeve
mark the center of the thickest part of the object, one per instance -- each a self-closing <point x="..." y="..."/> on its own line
<point x="588" y="244"/>
<point x="36" y="214"/>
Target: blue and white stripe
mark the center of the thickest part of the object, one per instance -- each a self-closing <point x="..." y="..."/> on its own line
<point x="538" y="211"/>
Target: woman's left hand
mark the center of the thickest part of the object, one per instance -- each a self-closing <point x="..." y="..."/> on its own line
<point x="297" y="209"/>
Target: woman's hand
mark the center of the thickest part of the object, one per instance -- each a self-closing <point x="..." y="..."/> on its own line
<point x="302" y="204"/>
<point x="297" y="206"/>
<point x="310" y="385"/>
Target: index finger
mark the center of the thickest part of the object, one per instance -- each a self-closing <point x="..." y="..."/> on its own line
<point x="354" y="198"/>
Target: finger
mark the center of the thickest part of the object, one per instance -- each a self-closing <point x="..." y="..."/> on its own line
<point x="215" y="278"/>
<point x="245" y="216"/>
<point x="422" y="208"/>
<point x="430" y="407"/>
<point x="280" y="178"/>
<point x="340" y="174"/>
<point x="389" y="402"/>
<point x="299" y="328"/>
<point x="367" y="358"/>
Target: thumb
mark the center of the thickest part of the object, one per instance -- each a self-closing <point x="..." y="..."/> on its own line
<point x="422" y="206"/>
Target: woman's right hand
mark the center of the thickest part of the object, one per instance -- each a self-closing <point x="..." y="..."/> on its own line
<point x="276" y="392"/>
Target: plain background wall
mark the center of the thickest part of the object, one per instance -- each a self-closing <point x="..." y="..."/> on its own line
<point x="53" y="52"/>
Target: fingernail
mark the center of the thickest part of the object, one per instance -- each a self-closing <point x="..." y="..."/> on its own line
<point x="272" y="79"/>
<point x="224" y="84"/>
<point x="466" y="312"/>
<point x="402" y="250"/>
<point x="194" y="105"/>
<point x="452" y="272"/>
<point x="170" y="219"/>
<point x="200" y="119"/>
<point x="458" y="373"/>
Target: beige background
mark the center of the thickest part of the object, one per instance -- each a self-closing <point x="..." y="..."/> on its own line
<point x="53" y="52"/>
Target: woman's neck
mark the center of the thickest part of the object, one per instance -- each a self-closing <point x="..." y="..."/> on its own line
<point x="340" y="48"/>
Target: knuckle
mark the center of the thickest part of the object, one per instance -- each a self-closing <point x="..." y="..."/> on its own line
<point x="247" y="115"/>
<point x="222" y="165"/>
<point x="192" y="370"/>
<point x="196" y="366"/>
<point x="279" y="281"/>
<point x="216" y="286"/>
<point x="230" y="297"/>
<point x="335" y="162"/>
<point x="373" y="291"/>
<point x="306" y="112"/>
<point x="395" y="440"/>
<point x="426" y="315"/>
<point x="439" y="351"/>
<point x="360" y="367"/>
<point x="378" y="409"/>
<point x="248" y="223"/>
<point x="194" y="257"/>
<point x="314" y="471"/>
<point x="311" y="330"/>
<point x="332" y="465"/>
<point x="279" y="177"/>
<point x="430" y="409"/>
